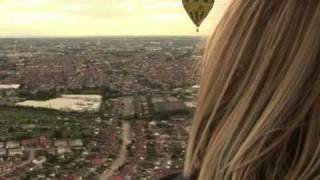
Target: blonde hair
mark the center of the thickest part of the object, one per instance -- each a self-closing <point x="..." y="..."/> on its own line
<point x="260" y="78"/>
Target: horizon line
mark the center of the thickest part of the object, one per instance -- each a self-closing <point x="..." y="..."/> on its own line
<point x="96" y="36"/>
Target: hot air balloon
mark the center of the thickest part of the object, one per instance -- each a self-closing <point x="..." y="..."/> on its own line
<point x="198" y="10"/>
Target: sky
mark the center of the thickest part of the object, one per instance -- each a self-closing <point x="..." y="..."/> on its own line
<point x="101" y="18"/>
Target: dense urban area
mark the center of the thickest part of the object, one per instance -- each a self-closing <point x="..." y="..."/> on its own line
<point x="96" y="108"/>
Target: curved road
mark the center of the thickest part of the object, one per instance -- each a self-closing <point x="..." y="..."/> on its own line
<point x="106" y="175"/>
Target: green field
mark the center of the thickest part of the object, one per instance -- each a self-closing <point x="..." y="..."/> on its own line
<point x="15" y="123"/>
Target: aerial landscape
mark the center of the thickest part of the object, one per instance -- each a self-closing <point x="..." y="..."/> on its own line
<point x="159" y="90"/>
<point x="96" y="108"/>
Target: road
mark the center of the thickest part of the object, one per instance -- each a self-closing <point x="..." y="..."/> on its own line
<point x="122" y="155"/>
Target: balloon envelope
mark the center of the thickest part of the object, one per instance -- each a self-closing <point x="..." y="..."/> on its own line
<point x="198" y="10"/>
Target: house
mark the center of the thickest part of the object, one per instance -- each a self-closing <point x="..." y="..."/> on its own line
<point x="40" y="161"/>
<point x="70" y="177"/>
<point x="12" y="145"/>
<point x="52" y="151"/>
<point x="97" y="161"/>
<point x="172" y="99"/>
<point x="127" y="104"/>
<point x="117" y="178"/>
<point x="28" y="127"/>
<point x="76" y="143"/>
<point x="170" y="108"/>
<point x="3" y="152"/>
<point x="29" y="142"/>
<point x="63" y="150"/>
<point x="60" y="143"/>
<point x="44" y="141"/>
<point x="15" y="152"/>
<point x="5" y="166"/>
<point x="41" y="176"/>
<point x="152" y="123"/>
<point x="190" y="104"/>
<point x="9" y="86"/>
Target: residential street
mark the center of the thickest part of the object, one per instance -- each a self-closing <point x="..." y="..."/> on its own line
<point x="122" y="155"/>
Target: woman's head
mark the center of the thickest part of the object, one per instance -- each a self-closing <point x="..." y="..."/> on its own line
<point x="260" y="80"/>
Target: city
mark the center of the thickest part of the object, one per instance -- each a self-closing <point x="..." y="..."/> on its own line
<point x="96" y="108"/>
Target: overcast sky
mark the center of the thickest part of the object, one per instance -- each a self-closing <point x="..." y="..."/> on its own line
<point x="100" y="17"/>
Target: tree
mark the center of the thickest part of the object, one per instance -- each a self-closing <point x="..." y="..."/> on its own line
<point x="57" y="134"/>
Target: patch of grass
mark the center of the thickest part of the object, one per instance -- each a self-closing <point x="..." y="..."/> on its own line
<point x="74" y="125"/>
